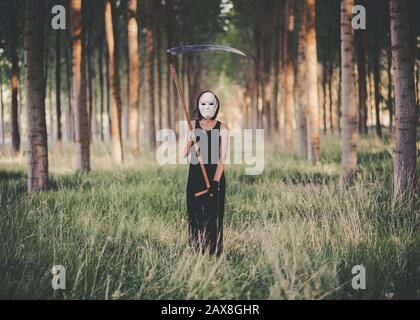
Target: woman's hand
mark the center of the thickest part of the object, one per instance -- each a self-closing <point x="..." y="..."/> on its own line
<point x="224" y="132"/>
<point x="191" y="137"/>
<point x="214" y="188"/>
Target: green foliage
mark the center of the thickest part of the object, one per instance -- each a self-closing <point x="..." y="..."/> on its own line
<point x="236" y="68"/>
<point x="290" y="233"/>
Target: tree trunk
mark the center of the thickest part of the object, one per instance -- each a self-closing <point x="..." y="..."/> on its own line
<point x="339" y="101"/>
<point x="288" y="79"/>
<point x="69" y="113"/>
<point x="378" y="96"/>
<point x="260" y="93"/>
<point x="188" y="73"/>
<point x="330" y="100"/>
<point x="324" y="98"/>
<point x="405" y="100"/>
<point x="81" y="120"/>
<point x="58" y="85"/>
<point x="282" y="67"/>
<point x="265" y="68"/>
<point x="349" y="155"/>
<point x="371" y="94"/>
<point x="162" y="115"/>
<point x="101" y="88"/>
<point x="170" y="121"/>
<point x="35" y="96"/>
<point x="302" y="88"/>
<point x="254" y="95"/>
<point x="172" y="36"/>
<point x="116" y="104"/>
<point x="14" y="79"/>
<point x="125" y="97"/>
<point x="184" y="79"/>
<point x="150" y="77"/>
<point x="417" y="63"/>
<point x="2" y="108"/>
<point x="312" y="76"/>
<point x="276" y="77"/>
<point x="288" y="106"/>
<point x="47" y="50"/>
<point x="50" y="105"/>
<point x="90" y="74"/>
<point x="390" y="99"/>
<point x="108" y="98"/>
<point x="193" y="79"/>
<point x="361" y="68"/>
<point x="133" y="96"/>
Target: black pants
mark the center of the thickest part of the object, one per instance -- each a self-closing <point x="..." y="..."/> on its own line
<point x="205" y="215"/>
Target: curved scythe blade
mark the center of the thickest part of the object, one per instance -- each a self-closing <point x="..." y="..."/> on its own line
<point x="203" y="47"/>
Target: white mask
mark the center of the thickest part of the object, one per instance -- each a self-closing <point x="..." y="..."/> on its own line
<point x="207" y="104"/>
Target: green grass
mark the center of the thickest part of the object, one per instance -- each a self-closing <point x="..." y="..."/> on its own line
<point x="290" y="233"/>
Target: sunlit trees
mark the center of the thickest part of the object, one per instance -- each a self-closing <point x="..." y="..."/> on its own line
<point x="293" y="69"/>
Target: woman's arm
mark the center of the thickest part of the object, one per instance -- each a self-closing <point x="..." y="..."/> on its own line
<point x="187" y="141"/>
<point x="224" y="132"/>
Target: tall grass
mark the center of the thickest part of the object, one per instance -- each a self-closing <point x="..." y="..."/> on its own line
<point x="291" y="233"/>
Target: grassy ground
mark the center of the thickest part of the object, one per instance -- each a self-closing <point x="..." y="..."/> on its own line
<point x="290" y="233"/>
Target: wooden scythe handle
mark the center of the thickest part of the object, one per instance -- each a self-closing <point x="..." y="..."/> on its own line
<point x="187" y="117"/>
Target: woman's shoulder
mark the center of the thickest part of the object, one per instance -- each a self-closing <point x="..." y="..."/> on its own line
<point x="223" y="125"/>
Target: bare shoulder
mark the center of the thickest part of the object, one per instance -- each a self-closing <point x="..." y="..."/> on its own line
<point x="224" y="126"/>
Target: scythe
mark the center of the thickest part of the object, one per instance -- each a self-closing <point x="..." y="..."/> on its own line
<point x="190" y="49"/>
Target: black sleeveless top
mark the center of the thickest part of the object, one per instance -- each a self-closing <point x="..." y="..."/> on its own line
<point x="210" y="152"/>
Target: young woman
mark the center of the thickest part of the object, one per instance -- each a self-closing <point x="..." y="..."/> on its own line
<point x="205" y="213"/>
